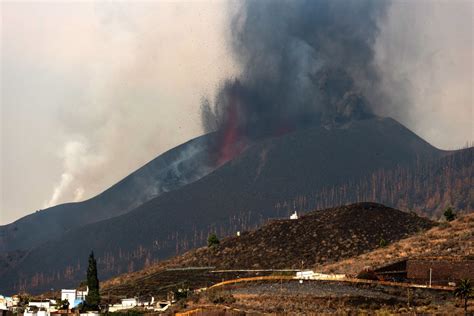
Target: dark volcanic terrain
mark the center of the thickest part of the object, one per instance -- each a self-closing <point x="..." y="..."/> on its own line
<point x="319" y="237"/>
<point x="173" y="169"/>
<point x="270" y="179"/>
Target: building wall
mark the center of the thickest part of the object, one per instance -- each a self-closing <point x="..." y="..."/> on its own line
<point x="39" y="304"/>
<point x="82" y="294"/>
<point x="69" y="295"/>
<point x="130" y="302"/>
<point x="443" y="271"/>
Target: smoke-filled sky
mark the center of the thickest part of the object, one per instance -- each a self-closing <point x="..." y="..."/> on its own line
<point x="92" y="91"/>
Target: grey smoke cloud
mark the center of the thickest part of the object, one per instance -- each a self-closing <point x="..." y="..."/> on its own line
<point x="86" y="103"/>
<point x="89" y="102"/>
<point x="424" y="55"/>
<point x="313" y="62"/>
<point x="301" y="64"/>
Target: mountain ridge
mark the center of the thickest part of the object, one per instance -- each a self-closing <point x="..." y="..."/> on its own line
<point x="152" y="179"/>
<point x="240" y="194"/>
<point x="315" y="238"/>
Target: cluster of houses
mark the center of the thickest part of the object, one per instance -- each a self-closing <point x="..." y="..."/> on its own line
<point x="43" y="307"/>
<point x="48" y="307"/>
<point x="129" y="303"/>
<point x="7" y="303"/>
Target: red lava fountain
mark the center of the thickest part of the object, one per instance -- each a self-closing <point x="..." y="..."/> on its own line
<point x="232" y="143"/>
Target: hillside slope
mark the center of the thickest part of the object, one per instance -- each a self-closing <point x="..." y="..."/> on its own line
<point x="453" y="239"/>
<point x="173" y="169"/>
<point x="319" y="237"/>
<point x="427" y="188"/>
<point x="237" y="196"/>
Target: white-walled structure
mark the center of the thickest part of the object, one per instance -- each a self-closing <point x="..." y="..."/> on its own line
<point x="40" y="304"/>
<point x="29" y="313"/>
<point x="311" y="275"/>
<point x="74" y="297"/>
<point x="294" y="215"/>
<point x="129" y="302"/>
<point x="69" y="295"/>
<point x="308" y="274"/>
<point x="81" y="295"/>
<point x="3" y="303"/>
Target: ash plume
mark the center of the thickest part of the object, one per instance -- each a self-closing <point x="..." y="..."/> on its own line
<point x="303" y="63"/>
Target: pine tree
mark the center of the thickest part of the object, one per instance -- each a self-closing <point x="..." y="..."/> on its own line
<point x="212" y="241"/>
<point x="449" y="214"/>
<point x="93" y="297"/>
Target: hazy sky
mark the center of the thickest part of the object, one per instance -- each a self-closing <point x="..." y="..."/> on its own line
<point x="90" y="91"/>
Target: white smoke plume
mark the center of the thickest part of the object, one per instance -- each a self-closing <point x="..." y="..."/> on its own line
<point x="141" y="94"/>
<point x="424" y="54"/>
<point x="77" y="158"/>
<point x="122" y="82"/>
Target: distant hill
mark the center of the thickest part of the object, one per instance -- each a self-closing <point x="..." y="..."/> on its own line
<point x="448" y="239"/>
<point x="426" y="187"/>
<point x="284" y="243"/>
<point x="173" y="169"/>
<point x="319" y="237"/>
<point x="237" y="196"/>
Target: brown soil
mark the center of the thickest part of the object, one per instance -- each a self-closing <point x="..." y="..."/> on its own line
<point x="448" y="240"/>
<point x="319" y="237"/>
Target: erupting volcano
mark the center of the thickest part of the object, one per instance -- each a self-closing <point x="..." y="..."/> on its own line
<point x="304" y="64"/>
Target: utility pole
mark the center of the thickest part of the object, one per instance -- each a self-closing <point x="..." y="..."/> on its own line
<point x="431" y="272"/>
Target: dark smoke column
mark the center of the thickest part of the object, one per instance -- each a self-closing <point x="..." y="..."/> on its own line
<point x="304" y="63"/>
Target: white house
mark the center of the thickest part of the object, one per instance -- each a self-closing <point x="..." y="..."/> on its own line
<point x="129" y="302"/>
<point x="69" y="295"/>
<point x="311" y="275"/>
<point x="40" y="304"/>
<point x="308" y="274"/>
<point x="6" y="302"/>
<point x="81" y="295"/>
<point x="90" y="313"/>
<point x="74" y="297"/>
<point x="126" y="303"/>
<point x="115" y="307"/>
<point x="3" y="303"/>
<point x="294" y="215"/>
<point x="30" y="312"/>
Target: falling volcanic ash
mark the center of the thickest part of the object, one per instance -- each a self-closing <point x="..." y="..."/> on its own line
<point x="303" y="63"/>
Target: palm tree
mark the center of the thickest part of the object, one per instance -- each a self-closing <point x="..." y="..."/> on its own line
<point x="464" y="291"/>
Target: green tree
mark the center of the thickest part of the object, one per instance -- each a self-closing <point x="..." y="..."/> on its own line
<point x="93" y="297"/>
<point x="212" y="240"/>
<point x="449" y="214"/>
<point x="383" y="243"/>
<point x="24" y="300"/>
<point x="62" y="304"/>
<point x="464" y="291"/>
